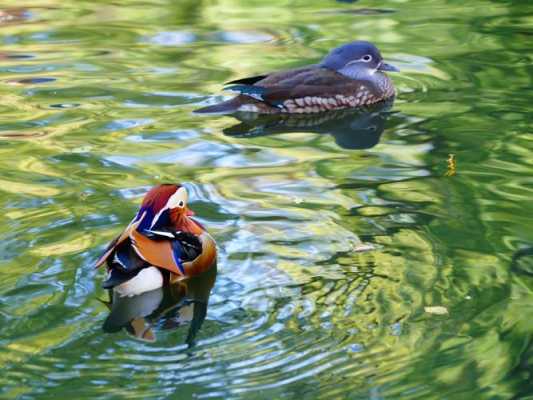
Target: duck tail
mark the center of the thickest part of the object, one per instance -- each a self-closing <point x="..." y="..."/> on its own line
<point x="226" y="107"/>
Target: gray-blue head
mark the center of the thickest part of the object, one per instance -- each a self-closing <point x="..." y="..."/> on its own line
<point x="356" y="60"/>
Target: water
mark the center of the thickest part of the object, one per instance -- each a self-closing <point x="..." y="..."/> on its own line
<point x="331" y="245"/>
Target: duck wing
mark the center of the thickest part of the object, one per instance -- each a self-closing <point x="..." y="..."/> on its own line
<point x="255" y="86"/>
<point x="123" y="265"/>
<point x="111" y="248"/>
<point x="274" y="78"/>
<point x="118" y="240"/>
<point x="190" y="246"/>
<point x="159" y="249"/>
<point x="163" y="248"/>
<point x="313" y="86"/>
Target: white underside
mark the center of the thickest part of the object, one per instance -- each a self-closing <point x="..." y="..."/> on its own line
<point x="148" y="279"/>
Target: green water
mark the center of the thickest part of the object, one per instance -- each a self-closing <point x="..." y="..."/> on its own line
<point x="97" y="101"/>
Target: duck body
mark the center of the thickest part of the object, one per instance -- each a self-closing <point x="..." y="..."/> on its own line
<point x="351" y="76"/>
<point x="147" y="279"/>
<point x="162" y="244"/>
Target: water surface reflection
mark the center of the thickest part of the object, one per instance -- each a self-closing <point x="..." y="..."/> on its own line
<point x="97" y="106"/>
<point x="170" y="307"/>
<point x="358" y="128"/>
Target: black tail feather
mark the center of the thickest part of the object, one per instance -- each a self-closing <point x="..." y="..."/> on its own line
<point x="247" y="81"/>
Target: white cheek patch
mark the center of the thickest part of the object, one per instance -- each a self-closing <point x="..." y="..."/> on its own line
<point x="178" y="199"/>
<point x="181" y="196"/>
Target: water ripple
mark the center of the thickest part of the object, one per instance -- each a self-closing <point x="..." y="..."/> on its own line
<point x="97" y="102"/>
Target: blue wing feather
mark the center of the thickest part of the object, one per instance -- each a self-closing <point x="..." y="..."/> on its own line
<point x="256" y="92"/>
<point x="176" y="253"/>
<point x="253" y="91"/>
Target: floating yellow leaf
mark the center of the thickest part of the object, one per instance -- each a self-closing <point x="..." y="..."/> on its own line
<point x="452" y="165"/>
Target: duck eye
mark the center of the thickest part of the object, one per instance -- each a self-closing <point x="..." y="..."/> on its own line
<point x="181" y="204"/>
<point x="367" y="58"/>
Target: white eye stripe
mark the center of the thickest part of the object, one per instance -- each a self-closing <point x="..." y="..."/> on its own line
<point x="178" y="199"/>
<point x="366" y="59"/>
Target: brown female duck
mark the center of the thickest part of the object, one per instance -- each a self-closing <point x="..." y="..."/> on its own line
<point x="350" y="76"/>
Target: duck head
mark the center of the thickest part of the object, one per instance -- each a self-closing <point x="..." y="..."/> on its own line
<point x="163" y="206"/>
<point x="356" y="60"/>
<point x="156" y="237"/>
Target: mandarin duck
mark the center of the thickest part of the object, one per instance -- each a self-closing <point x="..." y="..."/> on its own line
<point x="351" y="75"/>
<point x="162" y="244"/>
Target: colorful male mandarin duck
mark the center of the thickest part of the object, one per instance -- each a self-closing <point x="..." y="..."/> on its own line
<point x="162" y="244"/>
<point x="350" y="76"/>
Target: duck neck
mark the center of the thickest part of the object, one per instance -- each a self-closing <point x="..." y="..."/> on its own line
<point x="184" y="223"/>
<point x="377" y="79"/>
<point x="356" y="72"/>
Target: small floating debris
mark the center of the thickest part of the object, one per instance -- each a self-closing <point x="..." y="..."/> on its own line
<point x="65" y="105"/>
<point x="452" y="165"/>
<point x="15" y="56"/>
<point x="361" y="247"/>
<point x="436" y="310"/>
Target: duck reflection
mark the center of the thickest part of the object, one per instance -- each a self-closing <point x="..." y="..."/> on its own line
<point x="169" y="307"/>
<point x="519" y="266"/>
<point x="359" y="128"/>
